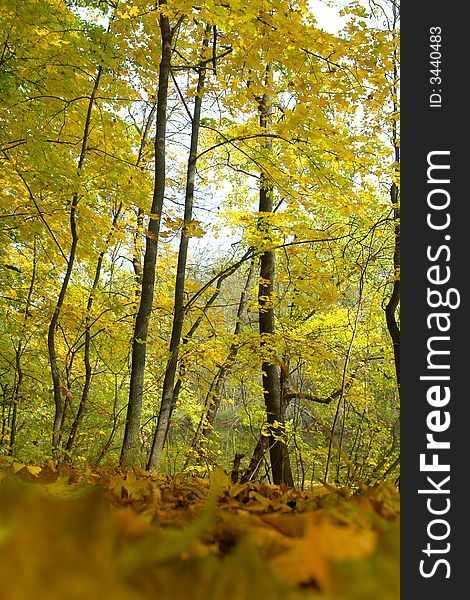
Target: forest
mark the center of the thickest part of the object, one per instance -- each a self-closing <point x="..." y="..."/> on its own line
<point x="200" y="268"/>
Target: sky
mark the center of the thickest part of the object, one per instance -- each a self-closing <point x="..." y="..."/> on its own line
<point x="327" y="15"/>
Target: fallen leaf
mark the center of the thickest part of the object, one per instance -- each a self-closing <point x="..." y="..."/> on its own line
<point x="33" y="470"/>
<point x="306" y="558"/>
<point x="303" y="563"/>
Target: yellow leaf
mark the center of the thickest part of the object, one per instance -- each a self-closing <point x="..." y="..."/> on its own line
<point x="17" y="466"/>
<point x="302" y="563"/>
<point x="33" y="470"/>
<point x="219" y="481"/>
<point x="193" y="229"/>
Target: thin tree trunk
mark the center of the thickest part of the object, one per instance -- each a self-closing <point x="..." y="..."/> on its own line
<point x="18" y="354"/>
<point x="165" y="412"/>
<point x="213" y="397"/>
<point x="392" y="304"/>
<point x="278" y="450"/>
<point x="137" y="241"/>
<point x="344" y="384"/>
<point x="257" y="458"/>
<point x="393" y="301"/>
<point x="88" y="370"/>
<point x="15" y="399"/>
<point x="186" y="339"/>
<point x="131" y="446"/>
<point x="51" y="340"/>
<point x="212" y="403"/>
<point x="4" y="419"/>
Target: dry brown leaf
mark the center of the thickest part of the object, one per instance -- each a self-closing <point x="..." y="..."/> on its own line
<point x="289" y="525"/>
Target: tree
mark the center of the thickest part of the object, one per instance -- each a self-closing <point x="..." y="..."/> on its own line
<point x="166" y="404"/>
<point x="130" y="446"/>
<point x="280" y="464"/>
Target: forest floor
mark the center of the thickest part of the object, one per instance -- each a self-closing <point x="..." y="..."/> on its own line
<point x="98" y="534"/>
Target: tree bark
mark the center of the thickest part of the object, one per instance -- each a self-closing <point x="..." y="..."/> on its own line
<point x="164" y="415"/>
<point x="130" y="446"/>
<point x="394" y="300"/>
<point x="278" y="450"/>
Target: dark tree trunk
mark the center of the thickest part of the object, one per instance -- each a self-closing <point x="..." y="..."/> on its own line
<point x="131" y="445"/>
<point x="278" y="450"/>
<point x="137" y="241"/>
<point x="166" y="406"/>
<point x="87" y="343"/>
<point x="257" y="459"/>
<point x="394" y="300"/>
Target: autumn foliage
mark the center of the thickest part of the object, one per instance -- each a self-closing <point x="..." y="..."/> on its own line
<point x="124" y="535"/>
<point x="199" y="299"/>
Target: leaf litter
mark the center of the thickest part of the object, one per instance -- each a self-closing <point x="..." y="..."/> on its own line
<point x="97" y="534"/>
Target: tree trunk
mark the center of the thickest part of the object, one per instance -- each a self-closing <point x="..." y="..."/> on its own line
<point x="86" y="353"/>
<point x="213" y="398"/>
<point x="16" y="397"/>
<point x="55" y="372"/>
<point x="278" y="450"/>
<point x="257" y="458"/>
<point x="392" y="304"/>
<point x="166" y="405"/>
<point x="131" y="445"/>
<point x="19" y="353"/>
<point x="394" y="300"/>
<point x="137" y="239"/>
